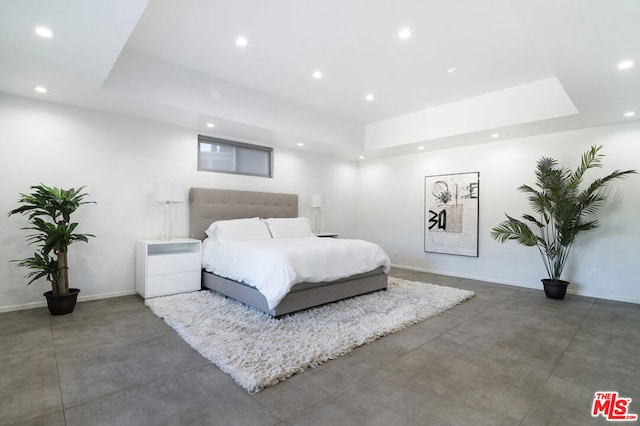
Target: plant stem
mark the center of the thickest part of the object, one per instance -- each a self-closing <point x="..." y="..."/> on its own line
<point x="63" y="272"/>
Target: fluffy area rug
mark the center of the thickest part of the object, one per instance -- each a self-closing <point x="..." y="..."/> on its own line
<point x="258" y="351"/>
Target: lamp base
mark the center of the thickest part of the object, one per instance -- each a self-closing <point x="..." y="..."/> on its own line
<point x="317" y="222"/>
<point x="165" y="231"/>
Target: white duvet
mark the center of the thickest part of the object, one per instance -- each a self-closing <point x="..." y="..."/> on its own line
<point x="273" y="266"/>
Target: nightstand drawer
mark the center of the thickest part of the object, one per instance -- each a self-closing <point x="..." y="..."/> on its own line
<point x="160" y="285"/>
<point x="173" y="263"/>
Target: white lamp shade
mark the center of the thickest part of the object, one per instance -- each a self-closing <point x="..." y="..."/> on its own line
<point x="316" y="200"/>
<point x="168" y="193"/>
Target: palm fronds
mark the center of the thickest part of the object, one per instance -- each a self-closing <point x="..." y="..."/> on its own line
<point x="563" y="209"/>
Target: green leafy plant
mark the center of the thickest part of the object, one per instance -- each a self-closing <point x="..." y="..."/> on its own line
<point x="49" y="210"/>
<point x="563" y="209"/>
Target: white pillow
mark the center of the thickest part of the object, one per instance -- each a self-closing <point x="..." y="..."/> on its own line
<point x="297" y="227"/>
<point x="238" y="230"/>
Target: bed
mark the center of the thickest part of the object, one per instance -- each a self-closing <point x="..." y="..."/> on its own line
<point x="208" y="205"/>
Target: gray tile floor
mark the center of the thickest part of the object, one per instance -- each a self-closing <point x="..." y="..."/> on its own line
<point x="508" y="356"/>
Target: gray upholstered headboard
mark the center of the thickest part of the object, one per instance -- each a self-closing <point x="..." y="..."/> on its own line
<point x="206" y="205"/>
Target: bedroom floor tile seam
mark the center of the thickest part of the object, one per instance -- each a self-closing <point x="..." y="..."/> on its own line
<point x="583" y="354"/>
<point x="382" y="367"/>
<point x="540" y="388"/>
<point x="378" y="369"/>
<point x="67" y="405"/>
<point x="555" y="367"/>
<point x="55" y="357"/>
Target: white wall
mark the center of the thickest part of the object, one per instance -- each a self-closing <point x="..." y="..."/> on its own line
<point x="391" y="210"/>
<point x="118" y="159"/>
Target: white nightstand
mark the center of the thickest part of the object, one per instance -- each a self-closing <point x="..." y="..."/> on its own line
<point x="167" y="266"/>
<point x="327" y="234"/>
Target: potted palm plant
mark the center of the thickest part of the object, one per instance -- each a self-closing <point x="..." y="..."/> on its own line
<point x="49" y="210"/>
<point x="563" y="211"/>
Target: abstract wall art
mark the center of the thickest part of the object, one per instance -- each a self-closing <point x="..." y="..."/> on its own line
<point x="451" y="204"/>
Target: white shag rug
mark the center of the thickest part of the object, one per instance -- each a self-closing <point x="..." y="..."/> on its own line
<point x="258" y="351"/>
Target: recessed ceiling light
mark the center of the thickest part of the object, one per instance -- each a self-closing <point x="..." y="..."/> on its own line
<point x="495" y="135"/>
<point x="211" y="125"/>
<point x="44" y="32"/>
<point x="451" y="70"/>
<point x="242" y="41"/>
<point x="404" y="33"/>
<point x="317" y="74"/>
<point x="421" y="147"/>
<point x="300" y="144"/>
<point x="369" y="97"/>
<point x="361" y="157"/>
<point x="625" y="65"/>
<point x="40" y="89"/>
<point x="629" y="113"/>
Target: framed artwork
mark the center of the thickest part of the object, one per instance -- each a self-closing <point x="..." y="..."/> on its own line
<point x="451" y="213"/>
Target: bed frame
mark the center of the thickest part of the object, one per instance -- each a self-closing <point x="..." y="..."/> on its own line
<point x="207" y="205"/>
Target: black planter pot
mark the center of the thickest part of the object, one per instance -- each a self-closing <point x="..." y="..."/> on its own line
<point x="62" y="304"/>
<point x="555" y="289"/>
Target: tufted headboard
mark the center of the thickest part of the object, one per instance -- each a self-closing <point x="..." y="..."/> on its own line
<point x="206" y="205"/>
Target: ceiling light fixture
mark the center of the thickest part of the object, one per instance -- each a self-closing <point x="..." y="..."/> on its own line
<point x="421" y="148"/>
<point x="451" y="70"/>
<point x="361" y="157"/>
<point x="40" y="89"/>
<point x="495" y="135"/>
<point x="44" y="32"/>
<point x="211" y="125"/>
<point x="369" y="97"/>
<point x="300" y="144"/>
<point x="242" y="41"/>
<point x="629" y="114"/>
<point x="317" y="74"/>
<point x="404" y="33"/>
<point x="625" y="65"/>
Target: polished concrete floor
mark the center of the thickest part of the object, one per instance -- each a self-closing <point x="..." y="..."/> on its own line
<point x="508" y="356"/>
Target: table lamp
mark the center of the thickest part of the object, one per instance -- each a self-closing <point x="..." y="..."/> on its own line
<point x="168" y="193"/>
<point x="317" y="202"/>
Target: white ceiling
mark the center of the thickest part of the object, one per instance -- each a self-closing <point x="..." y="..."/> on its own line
<point x="176" y="62"/>
<point x="356" y="46"/>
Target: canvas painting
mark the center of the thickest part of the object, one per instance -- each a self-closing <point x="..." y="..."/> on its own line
<point x="451" y="204"/>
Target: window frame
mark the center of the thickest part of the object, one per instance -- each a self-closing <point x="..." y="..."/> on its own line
<point x="235" y="144"/>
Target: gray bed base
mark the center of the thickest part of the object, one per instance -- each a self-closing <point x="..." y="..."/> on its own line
<point x="302" y="296"/>
<point x="207" y="205"/>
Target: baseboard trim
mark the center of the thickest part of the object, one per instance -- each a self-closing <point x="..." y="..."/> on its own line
<point x="470" y="277"/>
<point x="106" y="295"/>
<point x="616" y="298"/>
<point x="43" y="303"/>
<point x="23" y="307"/>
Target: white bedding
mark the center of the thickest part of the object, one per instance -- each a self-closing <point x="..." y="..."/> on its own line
<point x="273" y="266"/>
